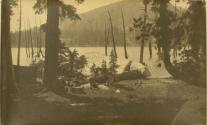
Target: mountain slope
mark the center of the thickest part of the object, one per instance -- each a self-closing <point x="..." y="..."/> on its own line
<point x="99" y="16"/>
<point x="89" y="31"/>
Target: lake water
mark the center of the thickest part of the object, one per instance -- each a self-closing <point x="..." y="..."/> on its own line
<point x="97" y="54"/>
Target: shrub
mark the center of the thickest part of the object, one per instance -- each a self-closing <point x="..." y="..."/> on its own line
<point x="71" y="66"/>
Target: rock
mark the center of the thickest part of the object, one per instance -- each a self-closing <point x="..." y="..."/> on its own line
<point x="192" y="113"/>
<point x="103" y="87"/>
<point x="146" y="71"/>
<point x="51" y="97"/>
<point x="39" y="80"/>
<point x="137" y="66"/>
<point x="88" y="85"/>
<point x="117" y="91"/>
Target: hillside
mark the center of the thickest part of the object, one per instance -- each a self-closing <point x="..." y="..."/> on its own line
<point x="89" y="31"/>
<point x="96" y="18"/>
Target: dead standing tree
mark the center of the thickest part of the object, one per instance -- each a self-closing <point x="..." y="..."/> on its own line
<point x="31" y="40"/>
<point x="41" y="43"/>
<point x="112" y="34"/>
<point x="124" y="29"/>
<point x="150" y="49"/>
<point x="26" y="42"/>
<point x="106" y="39"/>
<point x="19" y="40"/>
<point x="37" y="38"/>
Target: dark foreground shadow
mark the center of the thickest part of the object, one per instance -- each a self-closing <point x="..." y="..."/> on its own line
<point x="37" y="112"/>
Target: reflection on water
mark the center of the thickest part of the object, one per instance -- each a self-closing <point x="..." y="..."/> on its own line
<point x="97" y="54"/>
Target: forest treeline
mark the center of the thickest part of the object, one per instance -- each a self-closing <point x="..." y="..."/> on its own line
<point x="76" y="38"/>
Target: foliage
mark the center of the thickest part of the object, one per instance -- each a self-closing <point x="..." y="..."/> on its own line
<point x="145" y="30"/>
<point x="189" y="39"/>
<point x="66" y="10"/>
<point x="104" y="69"/>
<point x="113" y="64"/>
<point x="93" y="70"/>
<point x="100" y="74"/>
<point x="71" y="66"/>
<point x="12" y="3"/>
<point x="193" y="23"/>
<point x="143" y="25"/>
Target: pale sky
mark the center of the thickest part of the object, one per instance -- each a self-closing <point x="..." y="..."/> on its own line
<point x="28" y="14"/>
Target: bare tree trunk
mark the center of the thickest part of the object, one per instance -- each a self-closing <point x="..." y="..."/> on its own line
<point x="41" y="43"/>
<point x="150" y="49"/>
<point x="165" y="44"/>
<point x="19" y="40"/>
<point x="26" y="43"/>
<point x="125" y="42"/>
<point x="31" y="41"/>
<point x="159" y="53"/>
<point x="8" y="86"/>
<point x="143" y="39"/>
<point x="168" y="65"/>
<point x="112" y="34"/>
<point x="106" y="40"/>
<point x="141" y="60"/>
<point x="175" y="49"/>
<point x="52" y="44"/>
<point x="37" y="38"/>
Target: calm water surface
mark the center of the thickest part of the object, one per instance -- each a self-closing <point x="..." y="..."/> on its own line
<point x="97" y="54"/>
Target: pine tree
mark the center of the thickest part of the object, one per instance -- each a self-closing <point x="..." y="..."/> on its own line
<point x="112" y="34"/>
<point x="8" y="86"/>
<point x="163" y="33"/>
<point x="142" y="25"/>
<point x="193" y="23"/>
<point x="55" y="9"/>
<point x="113" y="64"/>
<point x="104" y="69"/>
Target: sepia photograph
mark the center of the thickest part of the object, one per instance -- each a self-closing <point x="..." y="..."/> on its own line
<point x="103" y="62"/>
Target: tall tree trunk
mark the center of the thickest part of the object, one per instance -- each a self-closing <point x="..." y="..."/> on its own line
<point x="150" y="49"/>
<point x="19" y="40"/>
<point x="112" y="34"/>
<point x="166" y="44"/>
<point x="8" y="87"/>
<point x="37" y="39"/>
<point x="141" y="60"/>
<point x="26" y="43"/>
<point x="168" y="65"/>
<point x="52" y="44"/>
<point x="143" y="39"/>
<point x="159" y="53"/>
<point x="41" y="43"/>
<point x="31" y="41"/>
<point x="106" y="40"/>
<point x="175" y="46"/>
<point x="124" y="29"/>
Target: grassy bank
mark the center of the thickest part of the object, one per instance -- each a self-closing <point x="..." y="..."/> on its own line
<point x="133" y="102"/>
